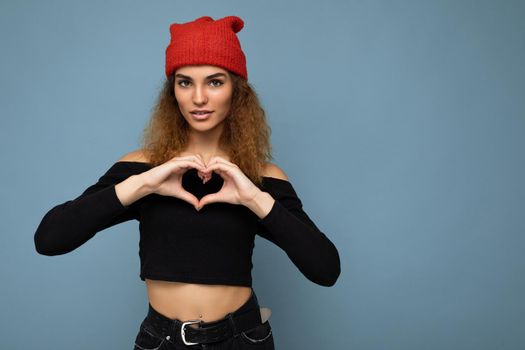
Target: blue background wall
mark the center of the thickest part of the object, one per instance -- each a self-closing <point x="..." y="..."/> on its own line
<point x="401" y="125"/>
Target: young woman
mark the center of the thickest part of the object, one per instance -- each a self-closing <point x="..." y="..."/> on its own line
<point x="201" y="187"/>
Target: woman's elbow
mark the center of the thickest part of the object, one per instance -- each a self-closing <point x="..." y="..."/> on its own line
<point x="43" y="245"/>
<point x="49" y="238"/>
<point x="331" y="275"/>
<point x="327" y="270"/>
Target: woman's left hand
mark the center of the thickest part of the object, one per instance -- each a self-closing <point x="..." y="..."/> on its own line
<point x="237" y="187"/>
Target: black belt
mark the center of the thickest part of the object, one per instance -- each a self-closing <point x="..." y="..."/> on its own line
<point x="247" y="317"/>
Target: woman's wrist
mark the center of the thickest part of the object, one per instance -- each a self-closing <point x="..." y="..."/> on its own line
<point x="132" y="189"/>
<point x="261" y="204"/>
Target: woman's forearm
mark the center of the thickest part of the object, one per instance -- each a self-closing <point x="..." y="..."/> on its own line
<point x="70" y="224"/>
<point x="132" y="189"/>
<point x="261" y="204"/>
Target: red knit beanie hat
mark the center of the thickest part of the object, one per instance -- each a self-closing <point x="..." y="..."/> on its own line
<point x="205" y="41"/>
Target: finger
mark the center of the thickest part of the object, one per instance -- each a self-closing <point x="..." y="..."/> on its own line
<point x="195" y="158"/>
<point x="201" y="159"/>
<point x="204" y="177"/>
<point x="191" y="163"/>
<point x="219" y="159"/>
<point x="188" y="197"/>
<point x="209" y="198"/>
<point x="221" y="168"/>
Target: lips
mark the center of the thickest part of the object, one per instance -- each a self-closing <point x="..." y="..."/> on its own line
<point x="200" y="115"/>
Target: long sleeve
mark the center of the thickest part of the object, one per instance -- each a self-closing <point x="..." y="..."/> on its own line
<point x="290" y="228"/>
<point x="70" y="224"/>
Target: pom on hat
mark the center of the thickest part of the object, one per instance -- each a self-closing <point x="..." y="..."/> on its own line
<point x="206" y="41"/>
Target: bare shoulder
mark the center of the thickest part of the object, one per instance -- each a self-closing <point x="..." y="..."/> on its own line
<point x="135" y="156"/>
<point x="272" y="170"/>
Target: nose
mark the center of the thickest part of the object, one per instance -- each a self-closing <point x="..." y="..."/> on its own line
<point x="199" y="95"/>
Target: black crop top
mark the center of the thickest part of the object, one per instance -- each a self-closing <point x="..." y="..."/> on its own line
<point x="179" y="243"/>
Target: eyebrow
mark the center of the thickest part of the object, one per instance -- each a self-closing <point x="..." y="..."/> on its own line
<point x="208" y="77"/>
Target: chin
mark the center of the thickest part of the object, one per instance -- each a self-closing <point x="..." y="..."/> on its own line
<point x="203" y="126"/>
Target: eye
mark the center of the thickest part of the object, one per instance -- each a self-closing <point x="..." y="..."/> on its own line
<point x="214" y="82"/>
<point x="182" y="81"/>
<point x="218" y="81"/>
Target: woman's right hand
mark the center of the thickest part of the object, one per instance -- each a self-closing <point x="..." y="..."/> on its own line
<point x="166" y="179"/>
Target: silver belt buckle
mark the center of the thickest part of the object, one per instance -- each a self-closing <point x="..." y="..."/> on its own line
<point x="182" y="333"/>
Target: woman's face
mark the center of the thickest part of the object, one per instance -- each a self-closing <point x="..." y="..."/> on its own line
<point x="203" y="87"/>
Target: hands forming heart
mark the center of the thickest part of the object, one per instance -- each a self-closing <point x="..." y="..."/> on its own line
<point x="166" y="179"/>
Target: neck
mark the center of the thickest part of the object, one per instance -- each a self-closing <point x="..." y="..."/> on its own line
<point x="207" y="146"/>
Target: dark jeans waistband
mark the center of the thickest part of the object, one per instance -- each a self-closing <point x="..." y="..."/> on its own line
<point x="154" y="315"/>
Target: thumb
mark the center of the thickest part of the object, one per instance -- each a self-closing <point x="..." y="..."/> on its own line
<point x="207" y="199"/>
<point x="188" y="197"/>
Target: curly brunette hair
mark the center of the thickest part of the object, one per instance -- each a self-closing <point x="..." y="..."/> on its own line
<point x="246" y="132"/>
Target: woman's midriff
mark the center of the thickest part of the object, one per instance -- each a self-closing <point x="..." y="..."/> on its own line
<point x="188" y="301"/>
